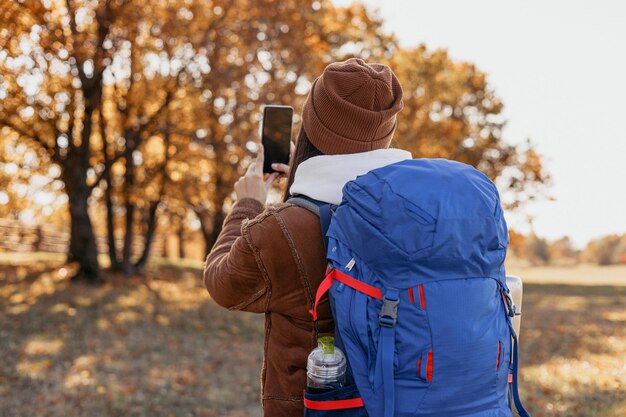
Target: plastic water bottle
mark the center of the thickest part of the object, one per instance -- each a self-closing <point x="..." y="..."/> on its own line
<point x="326" y="366"/>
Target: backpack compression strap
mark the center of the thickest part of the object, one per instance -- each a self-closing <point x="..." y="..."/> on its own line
<point x="333" y="404"/>
<point x="510" y="309"/>
<point x="518" y="402"/>
<point x="333" y="275"/>
<point x="386" y="344"/>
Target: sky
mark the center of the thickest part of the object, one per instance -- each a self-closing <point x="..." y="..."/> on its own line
<point x="560" y="69"/>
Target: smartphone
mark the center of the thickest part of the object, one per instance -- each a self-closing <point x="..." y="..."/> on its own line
<point x="276" y="135"/>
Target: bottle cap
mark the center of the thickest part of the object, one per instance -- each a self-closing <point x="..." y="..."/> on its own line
<point x="327" y="344"/>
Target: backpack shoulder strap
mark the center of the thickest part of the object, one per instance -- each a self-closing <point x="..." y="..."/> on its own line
<point x="319" y="208"/>
<point x="325" y="212"/>
<point x="305" y="202"/>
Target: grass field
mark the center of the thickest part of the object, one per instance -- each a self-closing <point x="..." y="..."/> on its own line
<point x="158" y="346"/>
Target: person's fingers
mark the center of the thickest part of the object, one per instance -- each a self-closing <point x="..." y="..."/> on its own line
<point x="281" y="168"/>
<point x="292" y="150"/>
<point x="260" y="159"/>
<point x="270" y="180"/>
<point x="251" y="168"/>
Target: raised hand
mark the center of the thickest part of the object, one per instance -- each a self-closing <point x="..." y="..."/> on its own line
<point x="252" y="184"/>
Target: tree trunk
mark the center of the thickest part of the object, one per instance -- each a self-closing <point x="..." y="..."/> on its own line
<point x="212" y="231"/>
<point x="129" y="182"/>
<point x="218" y="220"/>
<point x="108" y="199"/>
<point x="181" y="240"/>
<point x="83" y="247"/>
<point x="127" y="264"/>
<point x="152" y="210"/>
<point x="206" y="221"/>
<point x="152" y="223"/>
<point x="219" y="216"/>
<point x="108" y="202"/>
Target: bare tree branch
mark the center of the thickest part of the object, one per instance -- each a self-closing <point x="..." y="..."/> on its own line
<point x="159" y="111"/>
<point x="32" y="15"/>
<point x="107" y="166"/>
<point x="215" y="23"/>
<point x="79" y="61"/>
<point x="33" y="136"/>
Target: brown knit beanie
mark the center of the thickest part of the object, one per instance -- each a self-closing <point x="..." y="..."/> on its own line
<point x="352" y="107"/>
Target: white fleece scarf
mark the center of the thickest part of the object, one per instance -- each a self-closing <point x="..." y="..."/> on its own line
<point x="323" y="177"/>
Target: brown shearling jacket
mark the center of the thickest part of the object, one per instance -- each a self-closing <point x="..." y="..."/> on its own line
<point x="271" y="260"/>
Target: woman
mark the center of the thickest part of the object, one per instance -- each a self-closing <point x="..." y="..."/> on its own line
<point x="271" y="259"/>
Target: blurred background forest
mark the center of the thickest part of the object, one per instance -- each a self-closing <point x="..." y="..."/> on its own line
<point x="123" y="127"/>
<point x="125" y="123"/>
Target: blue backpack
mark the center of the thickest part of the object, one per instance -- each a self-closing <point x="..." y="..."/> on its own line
<point x="417" y="289"/>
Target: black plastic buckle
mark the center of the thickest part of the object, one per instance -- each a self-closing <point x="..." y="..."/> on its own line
<point x="388" y="315"/>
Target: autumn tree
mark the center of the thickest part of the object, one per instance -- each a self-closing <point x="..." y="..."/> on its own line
<point x="606" y="250"/>
<point x="452" y="112"/>
<point x="562" y="251"/>
<point x="51" y="68"/>
<point x="267" y="53"/>
<point x="144" y="99"/>
<point x="154" y="107"/>
<point x="60" y="64"/>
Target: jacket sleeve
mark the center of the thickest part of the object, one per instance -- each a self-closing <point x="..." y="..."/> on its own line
<point x="232" y="273"/>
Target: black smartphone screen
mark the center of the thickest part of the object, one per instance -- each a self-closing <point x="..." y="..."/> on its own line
<point x="276" y="135"/>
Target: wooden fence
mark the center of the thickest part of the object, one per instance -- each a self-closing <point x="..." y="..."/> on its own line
<point x="15" y="236"/>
